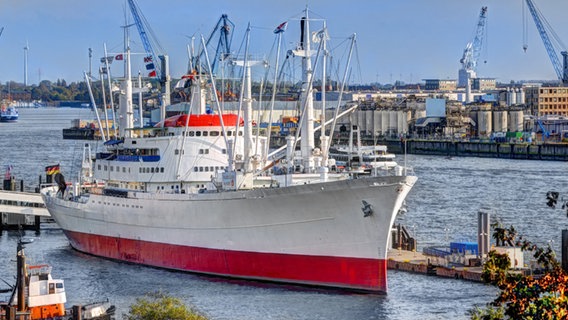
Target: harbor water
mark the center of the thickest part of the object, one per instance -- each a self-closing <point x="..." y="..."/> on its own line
<point x="442" y="207"/>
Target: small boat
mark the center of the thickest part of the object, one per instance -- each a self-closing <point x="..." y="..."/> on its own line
<point x="37" y="296"/>
<point x="374" y="157"/>
<point x="8" y="114"/>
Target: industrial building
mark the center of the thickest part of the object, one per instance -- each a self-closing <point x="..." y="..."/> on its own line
<point x="547" y="100"/>
<point x="440" y="85"/>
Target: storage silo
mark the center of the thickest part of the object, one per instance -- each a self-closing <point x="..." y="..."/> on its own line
<point x="521" y="96"/>
<point x="377" y="124"/>
<point x="369" y="127"/>
<point x="402" y="122"/>
<point x="393" y="122"/>
<point x="513" y="96"/>
<point x="385" y="121"/>
<point x="509" y="96"/>
<point x="361" y="121"/>
<point x="484" y="123"/>
<point x="516" y="121"/>
<point x="500" y="121"/>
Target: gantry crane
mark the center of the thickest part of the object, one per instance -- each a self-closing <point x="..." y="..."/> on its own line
<point x="225" y="28"/>
<point x="544" y="29"/>
<point x="472" y="51"/>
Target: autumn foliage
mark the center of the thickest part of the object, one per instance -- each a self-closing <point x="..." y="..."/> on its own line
<point x="538" y="296"/>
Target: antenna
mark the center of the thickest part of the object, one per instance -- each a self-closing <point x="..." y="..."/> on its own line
<point x="26" y="48"/>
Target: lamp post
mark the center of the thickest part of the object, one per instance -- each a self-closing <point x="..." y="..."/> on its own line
<point x="414" y="236"/>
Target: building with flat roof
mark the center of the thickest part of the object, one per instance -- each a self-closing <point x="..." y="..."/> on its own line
<point x="545" y="101"/>
<point x="440" y="85"/>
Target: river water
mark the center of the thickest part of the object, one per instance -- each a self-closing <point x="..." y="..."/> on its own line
<point x="442" y="207"/>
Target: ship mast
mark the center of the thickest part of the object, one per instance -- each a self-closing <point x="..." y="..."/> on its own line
<point x="307" y="144"/>
<point x="126" y="117"/>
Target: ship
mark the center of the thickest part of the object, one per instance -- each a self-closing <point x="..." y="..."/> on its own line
<point x="199" y="192"/>
<point x="9" y="114"/>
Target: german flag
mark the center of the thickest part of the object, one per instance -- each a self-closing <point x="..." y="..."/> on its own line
<point x="51" y="170"/>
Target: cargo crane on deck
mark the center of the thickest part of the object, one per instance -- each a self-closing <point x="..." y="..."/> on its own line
<point x="544" y="29"/>
<point x="472" y="51"/>
<point x="155" y="70"/>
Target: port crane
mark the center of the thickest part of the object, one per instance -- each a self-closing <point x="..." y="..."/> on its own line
<point x="154" y="69"/>
<point x="225" y="28"/>
<point x="544" y="29"/>
<point x="472" y="51"/>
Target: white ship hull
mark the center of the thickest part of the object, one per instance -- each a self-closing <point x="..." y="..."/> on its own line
<point x="315" y="234"/>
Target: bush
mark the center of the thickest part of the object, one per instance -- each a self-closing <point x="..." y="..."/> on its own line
<point x="160" y="306"/>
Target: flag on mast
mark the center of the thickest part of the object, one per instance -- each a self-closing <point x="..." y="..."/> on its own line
<point x="51" y="170"/>
<point x="281" y="27"/>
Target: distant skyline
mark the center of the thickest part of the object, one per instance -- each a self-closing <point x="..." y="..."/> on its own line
<point x="406" y="40"/>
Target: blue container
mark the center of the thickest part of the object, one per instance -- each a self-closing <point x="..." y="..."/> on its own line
<point x="464" y="247"/>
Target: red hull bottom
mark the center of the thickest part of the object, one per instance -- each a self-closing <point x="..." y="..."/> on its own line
<point x="358" y="274"/>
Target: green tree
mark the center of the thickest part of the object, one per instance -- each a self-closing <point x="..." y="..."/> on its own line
<point x="160" y="306"/>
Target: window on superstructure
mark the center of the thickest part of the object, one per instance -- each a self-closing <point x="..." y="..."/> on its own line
<point x="99" y="167"/>
<point x="111" y="169"/>
<point x="214" y="133"/>
<point x="200" y="169"/>
<point x="195" y="169"/>
<point x="191" y="133"/>
<point x="162" y="170"/>
<point x="152" y="170"/>
<point x="205" y="133"/>
<point x="198" y="133"/>
<point x="176" y="152"/>
<point x="124" y="169"/>
<point x="157" y="169"/>
<point x="240" y="133"/>
<point x="224" y="151"/>
<point x="106" y="168"/>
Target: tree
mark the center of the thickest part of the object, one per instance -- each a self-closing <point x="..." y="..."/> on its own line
<point x="524" y="296"/>
<point x="160" y="306"/>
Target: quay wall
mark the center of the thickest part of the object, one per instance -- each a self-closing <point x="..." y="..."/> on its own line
<point x="545" y="151"/>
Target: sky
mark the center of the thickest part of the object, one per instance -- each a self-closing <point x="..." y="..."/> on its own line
<point x="404" y="40"/>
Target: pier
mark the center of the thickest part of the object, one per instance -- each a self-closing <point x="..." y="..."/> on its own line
<point x="21" y="209"/>
<point x="417" y="262"/>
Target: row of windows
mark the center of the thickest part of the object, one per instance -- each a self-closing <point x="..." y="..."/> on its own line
<point x="112" y="168"/>
<point x="552" y="106"/>
<point x="208" y="169"/>
<point x="559" y="99"/>
<point x="151" y="170"/>
<point x="201" y="151"/>
<point x="124" y="169"/>
<point x="118" y="205"/>
<point x="552" y="113"/>
<point x="210" y="133"/>
<point x="553" y="91"/>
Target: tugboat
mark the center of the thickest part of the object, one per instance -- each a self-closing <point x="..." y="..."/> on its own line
<point x="37" y="296"/>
